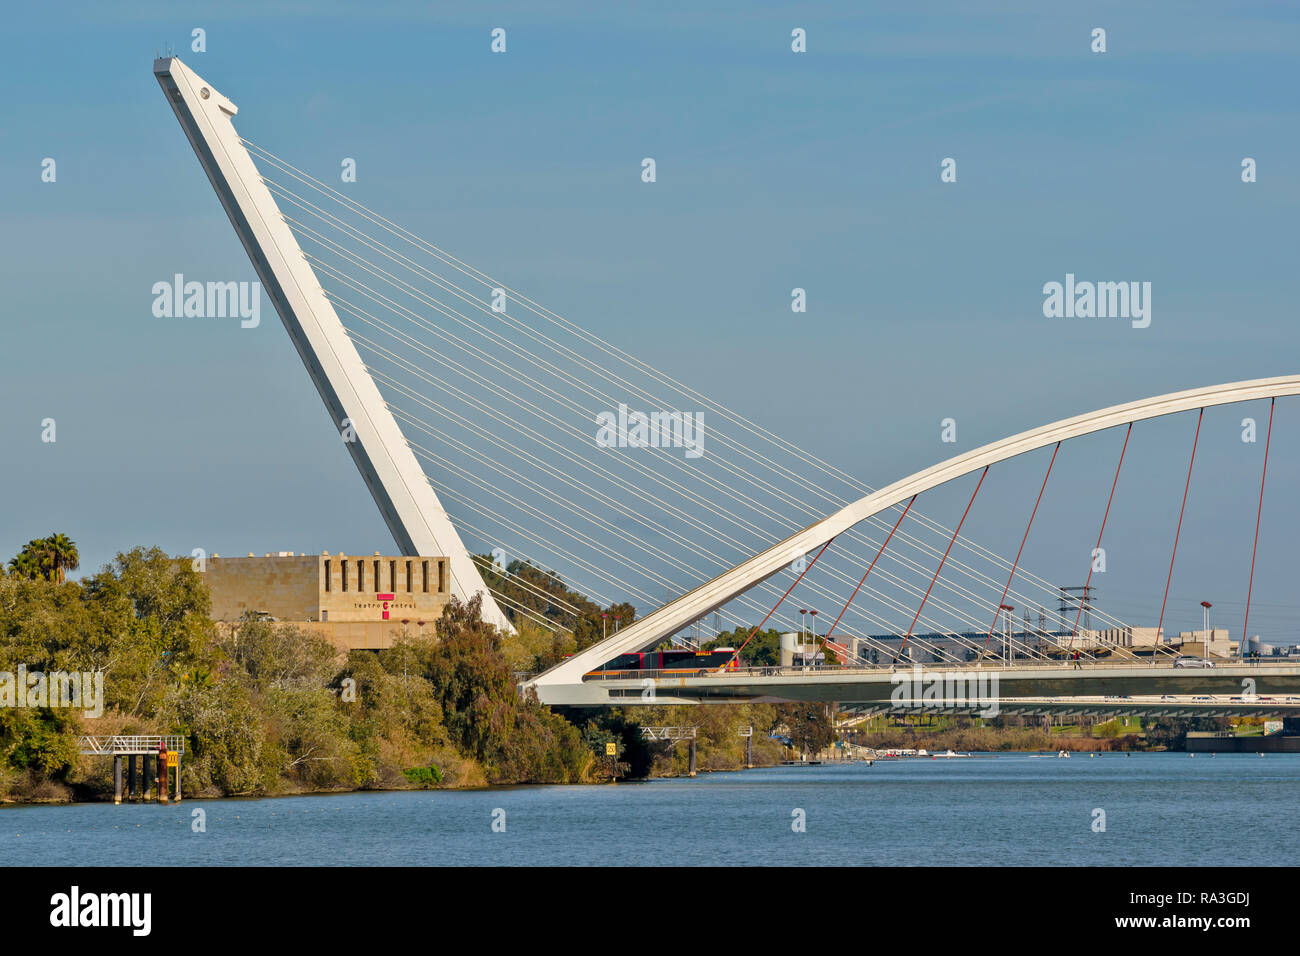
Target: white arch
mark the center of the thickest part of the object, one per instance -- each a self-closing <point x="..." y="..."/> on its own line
<point x="695" y="604"/>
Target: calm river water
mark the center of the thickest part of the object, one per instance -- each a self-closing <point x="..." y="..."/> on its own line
<point x="1008" y="809"/>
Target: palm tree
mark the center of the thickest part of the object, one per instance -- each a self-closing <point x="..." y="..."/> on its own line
<point x="27" y="563"/>
<point x="50" y="558"/>
<point x="61" y="556"/>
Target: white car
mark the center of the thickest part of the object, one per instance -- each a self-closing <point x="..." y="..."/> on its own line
<point x="1188" y="661"/>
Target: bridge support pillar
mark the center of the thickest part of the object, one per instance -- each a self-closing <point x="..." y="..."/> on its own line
<point x="749" y="752"/>
<point x="132" y="782"/>
<point x="692" y="756"/>
<point x="117" y="778"/>
<point x="147" y="768"/>
<point x="178" y="778"/>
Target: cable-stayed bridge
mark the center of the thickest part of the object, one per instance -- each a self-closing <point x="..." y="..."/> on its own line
<point x="474" y="414"/>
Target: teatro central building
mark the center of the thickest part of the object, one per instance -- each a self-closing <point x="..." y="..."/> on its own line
<point x="354" y="602"/>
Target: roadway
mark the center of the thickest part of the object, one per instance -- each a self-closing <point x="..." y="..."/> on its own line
<point x="1036" y="686"/>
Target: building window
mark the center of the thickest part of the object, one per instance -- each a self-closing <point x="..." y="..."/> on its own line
<point x="324" y="616"/>
<point x="327" y="576"/>
<point x="376" y="578"/>
<point x="343" y="567"/>
<point x="408" y="577"/>
<point x="425" y="569"/>
<point x="392" y="576"/>
<point x="442" y="576"/>
<point x="361" y="575"/>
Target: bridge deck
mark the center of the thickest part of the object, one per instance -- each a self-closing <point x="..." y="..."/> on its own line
<point x="1238" y="684"/>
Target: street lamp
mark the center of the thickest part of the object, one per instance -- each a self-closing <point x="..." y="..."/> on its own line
<point x="1205" y="644"/>
<point x="813" y="629"/>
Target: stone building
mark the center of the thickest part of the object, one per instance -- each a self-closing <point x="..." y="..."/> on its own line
<point x="355" y="602"/>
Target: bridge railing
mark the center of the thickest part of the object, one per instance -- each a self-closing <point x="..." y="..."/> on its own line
<point x="929" y="668"/>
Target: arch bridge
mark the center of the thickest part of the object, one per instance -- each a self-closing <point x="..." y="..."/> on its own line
<point x="427" y="326"/>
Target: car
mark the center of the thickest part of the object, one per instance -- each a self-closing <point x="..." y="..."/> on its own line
<point x="1189" y="661"/>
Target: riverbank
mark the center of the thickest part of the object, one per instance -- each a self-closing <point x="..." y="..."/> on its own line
<point x="1018" y="734"/>
<point x="48" y="793"/>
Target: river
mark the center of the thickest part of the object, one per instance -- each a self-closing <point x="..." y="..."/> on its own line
<point x="1005" y="809"/>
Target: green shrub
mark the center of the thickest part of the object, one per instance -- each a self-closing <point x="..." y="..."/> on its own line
<point x="423" y="776"/>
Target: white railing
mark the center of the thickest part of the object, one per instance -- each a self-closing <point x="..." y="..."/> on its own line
<point x="131" y="744"/>
<point x="668" y="733"/>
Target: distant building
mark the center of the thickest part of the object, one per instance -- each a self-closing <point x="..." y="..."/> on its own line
<point x="1132" y="638"/>
<point x="796" y="652"/>
<point x="1219" y="644"/>
<point x="1256" y="647"/>
<point x="355" y="602"/>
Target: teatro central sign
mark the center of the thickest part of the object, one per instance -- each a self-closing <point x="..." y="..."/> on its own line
<point x="384" y="603"/>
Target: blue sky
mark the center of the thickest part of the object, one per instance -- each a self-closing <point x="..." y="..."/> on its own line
<point x="775" y="170"/>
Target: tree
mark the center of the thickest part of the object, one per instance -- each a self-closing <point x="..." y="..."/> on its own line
<point x="40" y="739"/>
<point x="27" y="563"/>
<point x="61" y="556"/>
<point x="148" y="623"/>
<point x="227" y="748"/>
<point x="763" y="651"/>
<point x="278" y="655"/>
<point x="1167" y="732"/>
<point x="809" y="725"/>
<point x="49" y="558"/>
<point x="516" y="740"/>
<point x="472" y="678"/>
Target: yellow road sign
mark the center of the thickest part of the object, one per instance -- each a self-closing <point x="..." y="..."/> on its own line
<point x="610" y="750"/>
<point x="173" y="758"/>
